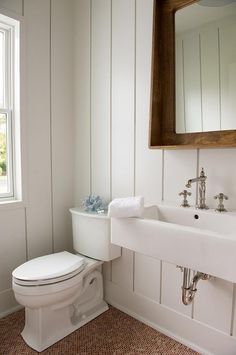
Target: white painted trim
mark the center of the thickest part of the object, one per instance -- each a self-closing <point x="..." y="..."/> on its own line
<point x="163" y="319"/>
<point x="11" y="204"/>
<point x="10" y="311"/>
<point x="11" y="14"/>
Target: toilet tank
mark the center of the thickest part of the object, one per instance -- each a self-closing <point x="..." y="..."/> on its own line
<point x="92" y="235"/>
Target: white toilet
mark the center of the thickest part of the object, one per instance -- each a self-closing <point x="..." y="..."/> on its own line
<point x="63" y="291"/>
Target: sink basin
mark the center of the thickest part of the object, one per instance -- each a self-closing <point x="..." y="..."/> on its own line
<point x="202" y="240"/>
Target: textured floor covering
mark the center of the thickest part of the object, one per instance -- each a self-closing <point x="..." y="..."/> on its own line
<point x="112" y="333"/>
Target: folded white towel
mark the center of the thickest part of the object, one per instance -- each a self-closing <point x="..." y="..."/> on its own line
<point x="126" y="207"/>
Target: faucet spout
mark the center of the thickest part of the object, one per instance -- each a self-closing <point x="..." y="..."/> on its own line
<point x="190" y="181"/>
<point x="201" y="180"/>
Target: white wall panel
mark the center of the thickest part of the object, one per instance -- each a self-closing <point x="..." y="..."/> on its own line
<point x="82" y="184"/>
<point x="179" y="167"/>
<point x="8" y="303"/>
<point x="220" y="169"/>
<point x="39" y="211"/>
<point x="213" y="303"/>
<point x="171" y="290"/>
<point x="13" y="247"/>
<point x="228" y="62"/>
<point x="62" y="121"/>
<point x="234" y="313"/>
<point x="13" y="5"/>
<point x="148" y="164"/>
<point x="147" y="276"/>
<point x="210" y="79"/>
<point x="135" y="169"/>
<point x="123" y="78"/>
<point x="123" y="119"/>
<point x="122" y="270"/>
<point x="106" y="270"/>
<point x="100" y="97"/>
<point x="192" y="83"/>
<point x="179" y="85"/>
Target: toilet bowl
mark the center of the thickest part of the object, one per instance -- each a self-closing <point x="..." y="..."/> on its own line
<point x="63" y="291"/>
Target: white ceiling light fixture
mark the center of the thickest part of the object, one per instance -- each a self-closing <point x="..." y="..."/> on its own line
<point x="215" y="3"/>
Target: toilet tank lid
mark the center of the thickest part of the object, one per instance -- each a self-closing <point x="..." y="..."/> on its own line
<point x="49" y="266"/>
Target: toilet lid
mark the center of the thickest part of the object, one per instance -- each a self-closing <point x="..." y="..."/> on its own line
<point x="49" y="267"/>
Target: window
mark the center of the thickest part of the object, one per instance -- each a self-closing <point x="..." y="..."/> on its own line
<point x="9" y="104"/>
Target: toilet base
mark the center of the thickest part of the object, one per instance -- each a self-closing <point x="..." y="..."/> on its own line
<point x="44" y="326"/>
<point x="39" y="344"/>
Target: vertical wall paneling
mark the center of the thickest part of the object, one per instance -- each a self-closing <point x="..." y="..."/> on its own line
<point x="8" y="303"/>
<point x="210" y="79"/>
<point x="100" y="96"/>
<point x="123" y="119"/>
<point x="13" y="5"/>
<point x="206" y="76"/>
<point x="192" y="83"/>
<point x="213" y="304"/>
<point x="82" y="47"/>
<point x="147" y="277"/>
<point x="132" y="282"/>
<point x="179" y="82"/>
<point x="46" y="140"/>
<point x="233" y="324"/>
<point x="123" y="79"/>
<point x="220" y="177"/>
<point x="184" y="163"/>
<point x="228" y="74"/>
<point x="171" y="291"/>
<point x="101" y="103"/>
<point x="122" y="270"/>
<point x="62" y="121"/>
<point x="12" y="251"/>
<point x="148" y="165"/>
<point x="39" y="212"/>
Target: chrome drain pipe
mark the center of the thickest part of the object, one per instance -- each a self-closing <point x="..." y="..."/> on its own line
<point x="189" y="287"/>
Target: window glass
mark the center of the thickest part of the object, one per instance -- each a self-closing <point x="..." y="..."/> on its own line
<point x="10" y="164"/>
<point x="2" y="54"/>
<point x="4" y="183"/>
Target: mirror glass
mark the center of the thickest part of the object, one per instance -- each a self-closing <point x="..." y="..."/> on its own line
<point x="205" y="60"/>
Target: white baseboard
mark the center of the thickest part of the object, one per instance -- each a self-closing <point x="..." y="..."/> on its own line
<point x="194" y="334"/>
<point x="8" y="303"/>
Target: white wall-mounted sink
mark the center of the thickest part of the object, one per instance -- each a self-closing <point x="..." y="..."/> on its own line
<point x="202" y="240"/>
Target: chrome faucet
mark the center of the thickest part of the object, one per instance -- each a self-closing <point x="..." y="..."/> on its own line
<point x="202" y="189"/>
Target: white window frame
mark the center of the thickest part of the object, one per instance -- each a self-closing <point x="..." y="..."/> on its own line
<point x="9" y="159"/>
<point x="10" y="27"/>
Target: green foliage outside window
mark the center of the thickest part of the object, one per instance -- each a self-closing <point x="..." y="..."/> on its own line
<point x="2" y="154"/>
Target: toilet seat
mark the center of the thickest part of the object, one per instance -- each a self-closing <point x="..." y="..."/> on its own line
<point x="49" y="269"/>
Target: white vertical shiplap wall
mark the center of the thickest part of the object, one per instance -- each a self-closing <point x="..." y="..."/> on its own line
<point x="205" y="79"/>
<point x="146" y="183"/>
<point x="41" y="222"/>
<point x="62" y="122"/>
<point x="122" y="97"/>
<point x="227" y="42"/>
<point x="100" y="99"/>
<point x="123" y="119"/>
<point x="144" y="287"/>
<point x="39" y="215"/>
<point x="82" y="98"/>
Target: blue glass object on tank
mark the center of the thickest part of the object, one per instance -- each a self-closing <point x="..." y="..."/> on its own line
<point x="94" y="204"/>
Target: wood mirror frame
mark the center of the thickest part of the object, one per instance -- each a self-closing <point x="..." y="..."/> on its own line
<point x="162" y="133"/>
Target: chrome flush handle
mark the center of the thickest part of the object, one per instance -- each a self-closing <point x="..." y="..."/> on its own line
<point x="185" y="193"/>
<point x="221" y="197"/>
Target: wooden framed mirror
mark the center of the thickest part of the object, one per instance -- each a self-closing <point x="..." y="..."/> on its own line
<point x="162" y="115"/>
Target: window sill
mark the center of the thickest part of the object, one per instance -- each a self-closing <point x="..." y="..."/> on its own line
<point x="11" y="204"/>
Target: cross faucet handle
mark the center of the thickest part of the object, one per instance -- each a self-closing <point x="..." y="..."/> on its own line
<point x="185" y="193"/>
<point x="221" y="197"/>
